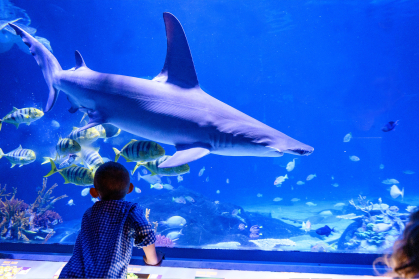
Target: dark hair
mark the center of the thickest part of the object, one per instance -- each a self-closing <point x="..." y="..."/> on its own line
<point x="112" y="181"/>
<point x="405" y="257"/>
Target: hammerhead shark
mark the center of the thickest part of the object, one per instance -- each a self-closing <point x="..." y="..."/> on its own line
<point x="171" y="108"/>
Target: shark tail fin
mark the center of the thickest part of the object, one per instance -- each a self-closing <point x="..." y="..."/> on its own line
<point x="117" y="154"/>
<point x="53" y="169"/>
<point x="45" y="59"/>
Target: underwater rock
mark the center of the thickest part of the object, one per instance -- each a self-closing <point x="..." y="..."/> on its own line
<point x="211" y="223"/>
<point x="223" y="245"/>
<point x="271" y="243"/>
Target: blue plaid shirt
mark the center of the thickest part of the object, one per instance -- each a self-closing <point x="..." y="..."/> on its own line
<point x="103" y="247"/>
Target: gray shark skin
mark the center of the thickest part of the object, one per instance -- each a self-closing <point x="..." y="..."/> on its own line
<point x="170" y="109"/>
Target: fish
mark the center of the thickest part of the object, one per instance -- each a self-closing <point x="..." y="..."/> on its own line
<point x="94" y="200"/>
<point x="107" y="131"/>
<point x="47" y="231"/>
<point x="259" y="195"/>
<point x="311" y="204"/>
<point x="39" y="237"/>
<point x="381" y="166"/>
<point x="390" y="126"/>
<point x="179" y="200"/>
<point x="333" y="178"/>
<point x="201" y="171"/>
<point x="189" y="199"/>
<point x="349" y="216"/>
<point x="390" y="181"/>
<point x="306" y="226"/>
<point x="73" y="174"/>
<point x="280" y="179"/>
<point x="154" y="167"/>
<point x="55" y="124"/>
<point x="411" y="208"/>
<point x="168" y="180"/>
<point x="218" y="191"/>
<point x="140" y="151"/>
<point x="339" y="204"/>
<point x="151" y="179"/>
<point x="335" y="185"/>
<point x="22" y="116"/>
<point x="179" y="178"/>
<point x="71" y="203"/>
<point x="85" y="137"/>
<point x="236" y="212"/>
<point x="382" y="227"/>
<point x="216" y="202"/>
<point x="354" y="158"/>
<point x="221" y="130"/>
<point x="85" y="192"/>
<point x="290" y="165"/>
<point x="137" y="190"/>
<point x="66" y="146"/>
<point x="71" y="159"/>
<point x="19" y="156"/>
<point x="157" y="186"/>
<point x="325" y="230"/>
<point x="228" y="181"/>
<point x="277" y="199"/>
<point x="91" y="158"/>
<point x="408" y="172"/>
<point x="395" y="192"/>
<point x="347" y="137"/>
<point x="207" y="179"/>
<point x="295" y="200"/>
<point x="300" y="182"/>
<point x="174" y="222"/>
<point x="168" y="186"/>
<point x="326" y="213"/>
<point x="174" y="235"/>
<point x="310" y="177"/>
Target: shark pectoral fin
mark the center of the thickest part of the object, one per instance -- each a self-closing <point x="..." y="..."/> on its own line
<point x="74" y="106"/>
<point x="185" y="156"/>
<point x="178" y="68"/>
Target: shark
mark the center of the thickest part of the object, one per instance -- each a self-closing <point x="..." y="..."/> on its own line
<point x="171" y="108"/>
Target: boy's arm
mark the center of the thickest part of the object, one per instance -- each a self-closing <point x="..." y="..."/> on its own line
<point x="151" y="256"/>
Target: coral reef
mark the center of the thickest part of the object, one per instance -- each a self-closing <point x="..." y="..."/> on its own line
<point x="20" y="221"/>
<point x="377" y="229"/>
<point x="162" y="241"/>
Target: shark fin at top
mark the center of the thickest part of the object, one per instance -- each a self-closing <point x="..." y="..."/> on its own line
<point x="79" y="60"/>
<point x="185" y="155"/>
<point x="178" y="68"/>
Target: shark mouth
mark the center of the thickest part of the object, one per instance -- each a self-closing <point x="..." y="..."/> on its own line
<point x="301" y="152"/>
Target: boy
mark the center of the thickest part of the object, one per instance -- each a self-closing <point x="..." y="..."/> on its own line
<point x="110" y="228"/>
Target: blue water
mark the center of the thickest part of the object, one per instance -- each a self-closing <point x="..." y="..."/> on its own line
<point x="314" y="70"/>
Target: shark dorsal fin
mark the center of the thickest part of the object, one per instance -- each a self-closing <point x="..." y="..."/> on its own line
<point x="178" y="68"/>
<point x="79" y="60"/>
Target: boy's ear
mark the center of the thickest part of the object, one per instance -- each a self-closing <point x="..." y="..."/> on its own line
<point x="131" y="187"/>
<point x="94" y="193"/>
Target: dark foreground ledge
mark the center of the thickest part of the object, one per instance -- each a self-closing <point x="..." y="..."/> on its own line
<point x="255" y="260"/>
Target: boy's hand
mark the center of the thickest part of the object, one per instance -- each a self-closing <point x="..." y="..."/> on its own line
<point x="157" y="262"/>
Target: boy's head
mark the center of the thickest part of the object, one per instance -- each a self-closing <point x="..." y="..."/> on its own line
<point x="111" y="182"/>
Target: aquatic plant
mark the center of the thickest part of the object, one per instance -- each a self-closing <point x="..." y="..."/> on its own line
<point x="363" y="204"/>
<point x="19" y="221"/>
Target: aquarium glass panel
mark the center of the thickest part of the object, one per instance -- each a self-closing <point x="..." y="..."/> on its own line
<point x="260" y="125"/>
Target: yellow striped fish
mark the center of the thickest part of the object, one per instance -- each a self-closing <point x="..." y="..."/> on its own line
<point x="84" y="137"/>
<point x="19" y="156"/>
<point x="140" y="151"/>
<point x="107" y="131"/>
<point x="19" y="116"/>
<point x="153" y="167"/>
<point x="67" y="146"/>
<point x="91" y="159"/>
<point x="73" y="174"/>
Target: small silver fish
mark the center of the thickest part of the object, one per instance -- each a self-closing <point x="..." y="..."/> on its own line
<point x="311" y="176"/>
<point x="347" y="137"/>
<point x="354" y="158"/>
<point x="137" y="190"/>
<point x="179" y="178"/>
<point x="85" y="192"/>
<point x="71" y="203"/>
<point x="201" y="172"/>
